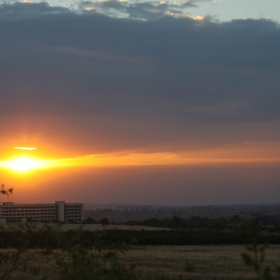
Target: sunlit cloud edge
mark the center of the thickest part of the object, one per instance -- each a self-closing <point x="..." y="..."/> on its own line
<point x="25" y="148"/>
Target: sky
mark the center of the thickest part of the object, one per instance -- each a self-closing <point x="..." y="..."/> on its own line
<point x="143" y="102"/>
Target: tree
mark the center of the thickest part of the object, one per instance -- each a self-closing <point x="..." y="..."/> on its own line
<point x="177" y="221"/>
<point x="104" y="222"/>
<point x="6" y="192"/>
<point x="90" y="220"/>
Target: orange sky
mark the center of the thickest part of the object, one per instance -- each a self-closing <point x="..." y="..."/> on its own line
<point x="154" y="108"/>
<point x="237" y="153"/>
<point x="195" y="175"/>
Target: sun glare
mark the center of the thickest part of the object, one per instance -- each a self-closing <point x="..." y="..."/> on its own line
<point x="23" y="164"/>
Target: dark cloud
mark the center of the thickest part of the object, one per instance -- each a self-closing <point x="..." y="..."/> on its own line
<point x="150" y="10"/>
<point x="155" y="80"/>
<point x="171" y="74"/>
<point x="28" y="10"/>
<point x="144" y="10"/>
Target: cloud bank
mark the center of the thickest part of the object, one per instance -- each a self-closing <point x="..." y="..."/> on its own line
<point x="135" y="84"/>
<point x="170" y="78"/>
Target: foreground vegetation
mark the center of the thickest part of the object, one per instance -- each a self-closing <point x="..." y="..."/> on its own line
<point x="34" y="251"/>
<point x="150" y="262"/>
<point x="48" y="236"/>
<point x="46" y="252"/>
<point x="266" y="222"/>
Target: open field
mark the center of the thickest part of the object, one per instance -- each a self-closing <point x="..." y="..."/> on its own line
<point x="208" y="262"/>
<point x="66" y="227"/>
<point x="95" y="227"/>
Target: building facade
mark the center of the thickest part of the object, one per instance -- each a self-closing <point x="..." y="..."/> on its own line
<point x="57" y="212"/>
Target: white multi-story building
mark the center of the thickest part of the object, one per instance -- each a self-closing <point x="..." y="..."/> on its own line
<point x="59" y="211"/>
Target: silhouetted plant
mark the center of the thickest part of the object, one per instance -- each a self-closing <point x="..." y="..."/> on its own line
<point x="189" y="267"/>
<point x="255" y="255"/>
<point x="6" y="192"/>
<point x="10" y="261"/>
<point x="89" y="220"/>
<point x="87" y="261"/>
<point x="104" y="222"/>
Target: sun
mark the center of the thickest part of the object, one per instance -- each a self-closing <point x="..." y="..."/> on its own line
<point x="23" y="164"/>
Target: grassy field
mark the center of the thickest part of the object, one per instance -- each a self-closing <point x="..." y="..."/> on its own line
<point x="220" y="262"/>
<point x="95" y="227"/>
<point x="66" y="227"/>
<point x="207" y="262"/>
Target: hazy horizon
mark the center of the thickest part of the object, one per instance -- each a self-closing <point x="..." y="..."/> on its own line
<point x="154" y="185"/>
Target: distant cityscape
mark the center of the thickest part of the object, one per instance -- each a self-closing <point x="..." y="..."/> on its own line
<point x="125" y="212"/>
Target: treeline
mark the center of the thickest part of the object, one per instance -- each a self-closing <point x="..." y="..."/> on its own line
<point x="52" y="239"/>
<point x="269" y="223"/>
<point x="131" y="210"/>
<point x="182" y="237"/>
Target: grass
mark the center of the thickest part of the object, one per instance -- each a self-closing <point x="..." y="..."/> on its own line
<point x="66" y="227"/>
<point x="202" y="262"/>
<point x="192" y="262"/>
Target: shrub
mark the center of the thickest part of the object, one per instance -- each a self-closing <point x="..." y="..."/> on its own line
<point x="189" y="267"/>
